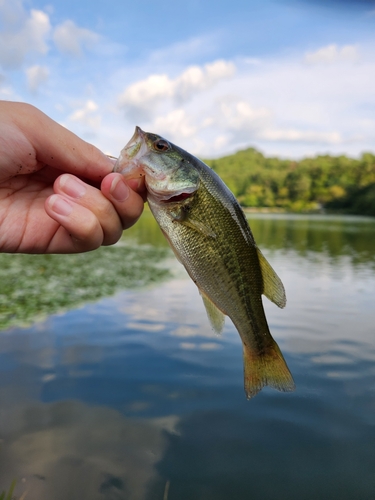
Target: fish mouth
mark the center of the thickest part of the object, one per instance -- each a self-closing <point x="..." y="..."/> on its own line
<point x="135" y="143"/>
<point x="178" y="197"/>
<point x="128" y="163"/>
<point x="165" y="197"/>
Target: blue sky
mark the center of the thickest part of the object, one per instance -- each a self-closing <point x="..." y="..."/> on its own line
<point x="292" y="78"/>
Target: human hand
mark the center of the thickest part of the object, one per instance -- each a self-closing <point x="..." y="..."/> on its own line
<point x="50" y="201"/>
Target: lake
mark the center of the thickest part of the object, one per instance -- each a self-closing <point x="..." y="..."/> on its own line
<point x="113" y="385"/>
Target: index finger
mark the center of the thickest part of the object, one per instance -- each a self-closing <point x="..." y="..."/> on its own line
<point x="56" y="146"/>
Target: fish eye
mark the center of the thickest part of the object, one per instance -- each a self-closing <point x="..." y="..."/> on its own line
<point x="161" y="145"/>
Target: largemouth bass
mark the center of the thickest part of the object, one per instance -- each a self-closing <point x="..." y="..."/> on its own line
<point x="209" y="234"/>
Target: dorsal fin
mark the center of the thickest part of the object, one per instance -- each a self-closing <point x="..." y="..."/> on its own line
<point x="216" y="317"/>
<point x="273" y="288"/>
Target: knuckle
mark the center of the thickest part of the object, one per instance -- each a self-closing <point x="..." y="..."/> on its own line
<point x="112" y="237"/>
<point x="132" y="213"/>
<point x="89" y="236"/>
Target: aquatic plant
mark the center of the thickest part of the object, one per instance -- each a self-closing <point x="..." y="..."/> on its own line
<point x="34" y="286"/>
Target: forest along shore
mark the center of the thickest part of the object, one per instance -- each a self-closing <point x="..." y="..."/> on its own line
<point x="322" y="183"/>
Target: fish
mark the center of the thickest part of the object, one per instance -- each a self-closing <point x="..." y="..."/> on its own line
<point x="210" y="235"/>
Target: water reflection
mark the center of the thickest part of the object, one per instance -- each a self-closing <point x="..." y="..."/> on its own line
<point x="334" y="236"/>
<point x="124" y="396"/>
<point x="72" y="450"/>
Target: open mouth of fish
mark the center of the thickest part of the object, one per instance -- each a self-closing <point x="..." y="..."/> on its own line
<point x="164" y="196"/>
<point x="177" y="198"/>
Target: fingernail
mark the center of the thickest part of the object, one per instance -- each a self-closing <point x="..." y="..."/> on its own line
<point x="60" y="206"/>
<point x="72" y="186"/>
<point x="119" y="190"/>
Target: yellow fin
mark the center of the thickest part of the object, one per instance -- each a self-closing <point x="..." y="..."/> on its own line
<point x="268" y="368"/>
<point x="273" y="288"/>
<point x="216" y="317"/>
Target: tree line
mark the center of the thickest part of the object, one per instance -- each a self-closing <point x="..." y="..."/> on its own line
<point x="335" y="183"/>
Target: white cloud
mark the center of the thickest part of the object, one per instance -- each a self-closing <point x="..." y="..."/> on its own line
<point x="333" y="53"/>
<point x="12" y="13"/>
<point x="70" y="39"/>
<point x="86" y="115"/>
<point x="22" y="34"/>
<point x="176" y="125"/>
<point x="216" y="108"/>
<point x="196" y="78"/>
<point x="220" y="143"/>
<point x="36" y="76"/>
<point x="7" y="93"/>
<point x="143" y="98"/>
<point x="140" y="99"/>
<point x="293" y="135"/>
<point x="235" y="123"/>
<point x="239" y="115"/>
<point x="280" y="105"/>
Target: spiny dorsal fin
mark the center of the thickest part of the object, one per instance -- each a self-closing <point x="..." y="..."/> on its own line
<point x="216" y="317"/>
<point x="273" y="288"/>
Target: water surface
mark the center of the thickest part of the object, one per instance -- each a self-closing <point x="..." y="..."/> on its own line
<point x="134" y="397"/>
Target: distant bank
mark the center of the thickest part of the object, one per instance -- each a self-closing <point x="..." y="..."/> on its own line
<point x="320" y="184"/>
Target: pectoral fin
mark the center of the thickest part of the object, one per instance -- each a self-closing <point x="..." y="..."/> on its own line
<point x="182" y="216"/>
<point x="200" y="227"/>
<point x="273" y="288"/>
<point x="216" y="317"/>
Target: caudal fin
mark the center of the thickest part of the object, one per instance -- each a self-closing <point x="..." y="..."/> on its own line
<point x="269" y="368"/>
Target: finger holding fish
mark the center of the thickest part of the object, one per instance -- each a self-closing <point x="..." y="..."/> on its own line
<point x="127" y="197"/>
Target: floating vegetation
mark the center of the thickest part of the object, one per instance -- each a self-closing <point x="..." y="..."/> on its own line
<point x="34" y="286"/>
<point x="8" y="495"/>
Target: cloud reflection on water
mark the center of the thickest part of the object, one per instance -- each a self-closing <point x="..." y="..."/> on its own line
<point x="71" y="450"/>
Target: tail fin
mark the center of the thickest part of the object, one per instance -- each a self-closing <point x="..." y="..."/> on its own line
<point x="269" y="368"/>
